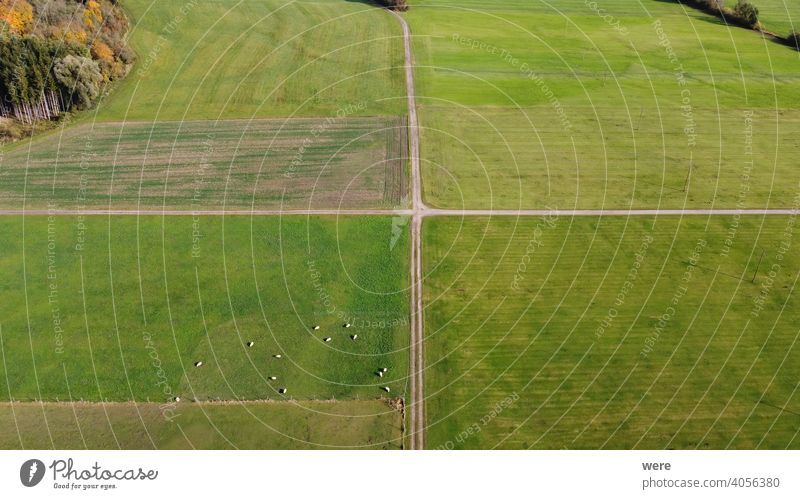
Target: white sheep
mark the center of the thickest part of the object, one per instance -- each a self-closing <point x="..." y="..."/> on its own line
<point x="347" y="325"/>
<point x="250" y="343"/>
<point x="273" y="378"/>
<point x="387" y="389"/>
<point x="198" y="363"/>
<point x="316" y="328"/>
<point x="354" y="337"/>
<point x="327" y="339"/>
<point x="281" y="390"/>
<point x="277" y="356"/>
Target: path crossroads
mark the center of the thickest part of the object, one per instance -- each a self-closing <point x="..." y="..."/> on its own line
<point x="415" y="405"/>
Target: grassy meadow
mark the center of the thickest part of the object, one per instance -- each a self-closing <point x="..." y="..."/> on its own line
<point x="279" y="425"/>
<point x="266" y="58"/>
<point x="120" y="308"/>
<point x="536" y="103"/>
<point x="620" y="333"/>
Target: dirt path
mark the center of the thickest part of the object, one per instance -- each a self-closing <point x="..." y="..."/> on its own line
<point x="427" y="212"/>
<point x="231" y="402"/>
<point x="416" y="403"/>
<point x="608" y="213"/>
<point x="413" y="122"/>
<point x="189" y="213"/>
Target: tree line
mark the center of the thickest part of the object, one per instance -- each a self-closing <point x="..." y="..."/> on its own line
<point x="57" y="55"/>
<point x="742" y="13"/>
<point x="400" y="5"/>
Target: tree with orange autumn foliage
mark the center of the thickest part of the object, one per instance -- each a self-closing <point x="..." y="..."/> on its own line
<point x="75" y="36"/>
<point x="17" y="14"/>
<point x="93" y="15"/>
<point x="104" y="56"/>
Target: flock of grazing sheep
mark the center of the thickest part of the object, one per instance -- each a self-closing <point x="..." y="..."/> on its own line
<point x="380" y="372"/>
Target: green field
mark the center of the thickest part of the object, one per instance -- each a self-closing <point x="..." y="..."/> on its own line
<point x="279" y="425"/>
<point x="623" y="333"/>
<point x="779" y="16"/>
<point x="121" y="308"/>
<point x="612" y="333"/>
<point x="534" y="104"/>
<point x="265" y="58"/>
<point x="292" y="163"/>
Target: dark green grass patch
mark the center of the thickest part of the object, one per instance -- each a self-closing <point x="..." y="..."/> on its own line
<point x="121" y="308"/>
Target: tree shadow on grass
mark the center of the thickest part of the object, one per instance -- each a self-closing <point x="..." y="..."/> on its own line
<point x="381" y="4"/>
<point x="700" y="14"/>
<point x="371" y="3"/>
<point x="717" y="20"/>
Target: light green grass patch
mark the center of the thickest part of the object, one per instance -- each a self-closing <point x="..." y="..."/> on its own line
<point x="615" y="333"/>
<point x="742" y="158"/>
<point x="242" y="59"/>
<point x="506" y="88"/>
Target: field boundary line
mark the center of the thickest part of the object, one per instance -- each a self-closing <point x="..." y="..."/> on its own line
<point x="427" y="212"/>
<point x="232" y="402"/>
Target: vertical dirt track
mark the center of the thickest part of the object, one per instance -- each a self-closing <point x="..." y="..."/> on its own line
<point x="416" y="402"/>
